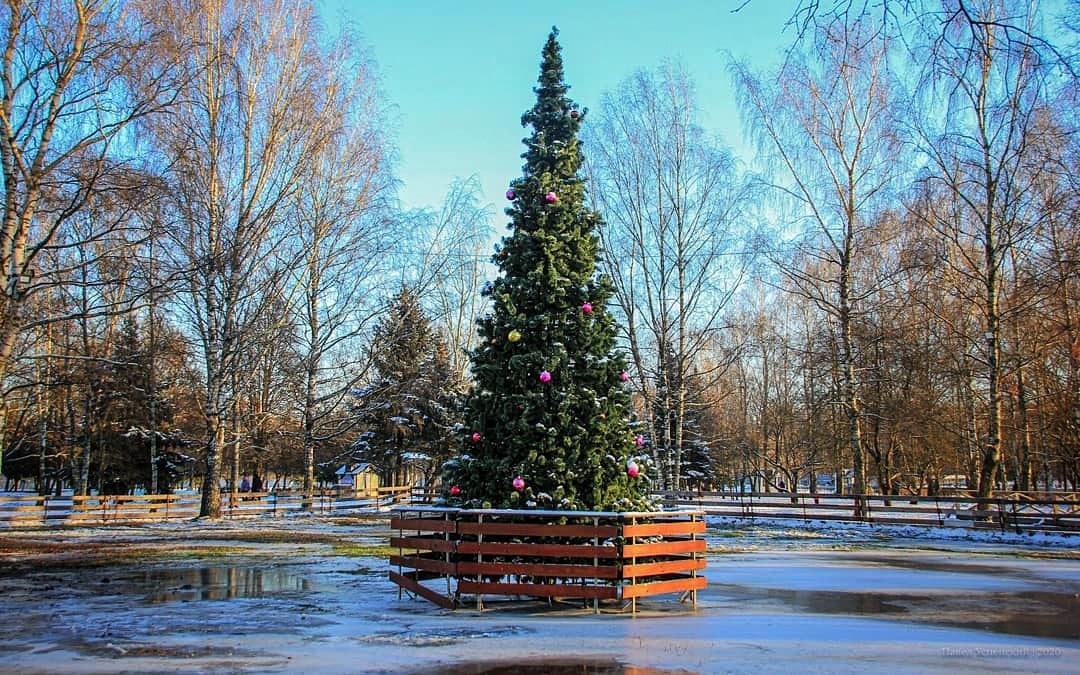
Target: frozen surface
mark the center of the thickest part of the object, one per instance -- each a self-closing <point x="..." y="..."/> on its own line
<point x="312" y="595"/>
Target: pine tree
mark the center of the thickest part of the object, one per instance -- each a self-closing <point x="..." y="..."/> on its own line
<point x="124" y="457"/>
<point x="409" y="405"/>
<point x="547" y="422"/>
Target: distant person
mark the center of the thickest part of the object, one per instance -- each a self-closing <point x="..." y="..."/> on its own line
<point x="245" y="484"/>
<point x="256" y="483"/>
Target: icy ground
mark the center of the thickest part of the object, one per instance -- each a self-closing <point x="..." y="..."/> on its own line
<point x="312" y="595"/>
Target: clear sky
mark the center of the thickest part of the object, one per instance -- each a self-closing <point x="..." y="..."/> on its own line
<point x="461" y="73"/>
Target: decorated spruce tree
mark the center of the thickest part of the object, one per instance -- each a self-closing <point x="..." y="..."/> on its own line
<point x="547" y="424"/>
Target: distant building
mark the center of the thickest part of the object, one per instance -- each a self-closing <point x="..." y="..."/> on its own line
<point x="360" y="480"/>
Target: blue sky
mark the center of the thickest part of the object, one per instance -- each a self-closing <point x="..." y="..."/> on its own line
<point x="461" y="73"/>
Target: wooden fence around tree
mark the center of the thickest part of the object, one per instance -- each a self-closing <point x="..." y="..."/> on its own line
<point x="448" y="556"/>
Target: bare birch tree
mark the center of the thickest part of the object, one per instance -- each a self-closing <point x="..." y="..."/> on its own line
<point x="982" y="87"/>
<point x="828" y="121"/>
<point x="343" y="225"/>
<point x="240" y="143"/>
<point x="68" y="92"/>
<point x="453" y="266"/>
<point x="670" y="198"/>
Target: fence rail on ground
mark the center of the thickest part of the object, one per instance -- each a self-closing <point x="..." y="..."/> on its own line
<point x="1007" y="511"/>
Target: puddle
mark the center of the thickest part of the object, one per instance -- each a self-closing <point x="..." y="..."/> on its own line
<point x="839" y="602"/>
<point x="1036" y="613"/>
<point x="211" y="583"/>
<point x="552" y="667"/>
<point x="929" y="564"/>
<point x="1031" y="613"/>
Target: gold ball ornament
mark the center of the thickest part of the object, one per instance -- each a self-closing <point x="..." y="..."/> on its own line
<point x="514" y="335"/>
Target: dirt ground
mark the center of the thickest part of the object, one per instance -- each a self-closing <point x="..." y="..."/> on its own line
<point x="312" y="595"/>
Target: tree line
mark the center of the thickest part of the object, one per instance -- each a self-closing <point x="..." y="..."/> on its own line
<point x="206" y="272"/>
<point x="199" y="234"/>
<point x="910" y="310"/>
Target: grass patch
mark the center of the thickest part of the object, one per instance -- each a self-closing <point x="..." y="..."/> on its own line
<point x="353" y="550"/>
<point x="730" y="534"/>
<point x="212" y="552"/>
<point x="713" y="550"/>
<point x="283" y="536"/>
<point x="23" y="555"/>
<point x="1065" y="554"/>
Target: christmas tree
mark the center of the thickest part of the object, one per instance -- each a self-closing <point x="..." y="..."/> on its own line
<point x="548" y="420"/>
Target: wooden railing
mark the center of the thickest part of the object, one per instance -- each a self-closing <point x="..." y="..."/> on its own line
<point x="36" y="510"/>
<point x="1006" y="511"/>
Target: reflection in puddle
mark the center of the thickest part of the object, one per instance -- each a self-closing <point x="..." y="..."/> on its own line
<point x="1038" y="613"/>
<point x="929" y="564"/>
<point x="552" y="667"/>
<point x="839" y="602"/>
<point x="219" y="583"/>
<point x="1033" y="613"/>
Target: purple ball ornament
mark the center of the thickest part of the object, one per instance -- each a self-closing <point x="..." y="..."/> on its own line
<point x="476" y="437"/>
<point x="519" y="483"/>
<point x="624" y="376"/>
<point x="639" y="441"/>
<point x="454" y="491"/>
<point x="510" y="194"/>
<point x="545" y="376"/>
<point x="551" y="198"/>
<point x="586" y="308"/>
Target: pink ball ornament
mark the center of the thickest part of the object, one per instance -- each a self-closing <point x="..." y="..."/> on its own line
<point x="519" y="483"/>
<point x="551" y="198"/>
<point x="510" y="194"/>
<point x="639" y="441"/>
<point x="476" y="437"/>
<point x="454" y="491"/>
<point x="587" y="308"/>
<point x="624" y="376"/>
<point x="632" y="469"/>
<point x="545" y="376"/>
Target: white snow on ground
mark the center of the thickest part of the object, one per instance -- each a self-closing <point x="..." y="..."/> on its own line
<point x="834" y="598"/>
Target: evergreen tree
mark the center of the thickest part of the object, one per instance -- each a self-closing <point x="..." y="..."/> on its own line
<point x="408" y="407"/>
<point x="123" y="458"/>
<point x="547" y="422"/>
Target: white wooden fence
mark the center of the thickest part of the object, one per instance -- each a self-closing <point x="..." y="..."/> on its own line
<point x="35" y="510"/>
<point x="1006" y="511"/>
